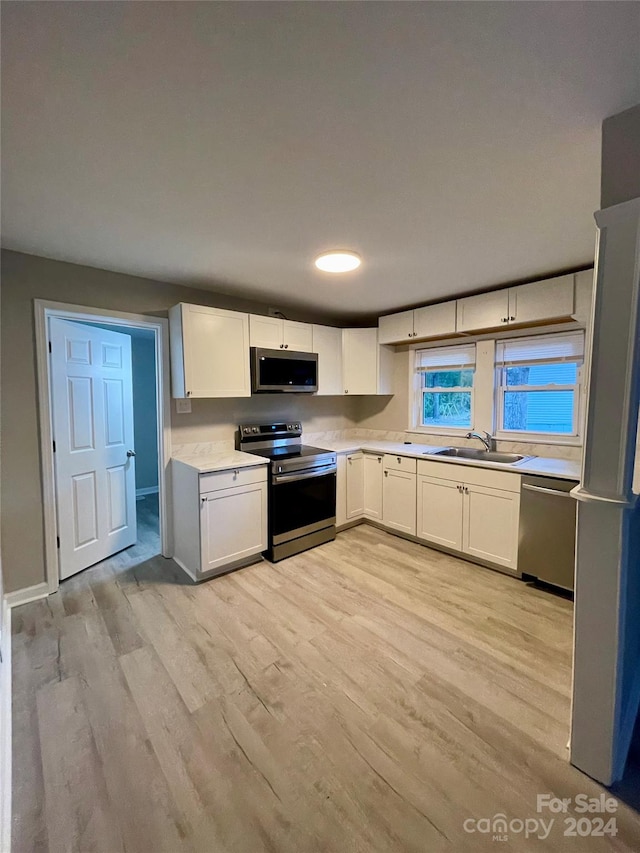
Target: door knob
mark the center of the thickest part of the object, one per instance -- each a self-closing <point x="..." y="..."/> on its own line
<point x="131" y="453"/>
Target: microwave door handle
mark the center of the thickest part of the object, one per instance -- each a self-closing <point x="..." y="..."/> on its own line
<point x="291" y="478"/>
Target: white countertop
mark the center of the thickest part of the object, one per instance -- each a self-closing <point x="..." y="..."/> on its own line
<point x="224" y="460"/>
<point x="563" y="468"/>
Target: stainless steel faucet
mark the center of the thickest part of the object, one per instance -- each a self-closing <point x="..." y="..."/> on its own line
<point x="488" y="440"/>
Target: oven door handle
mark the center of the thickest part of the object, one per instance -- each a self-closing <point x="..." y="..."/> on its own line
<point x="299" y="475"/>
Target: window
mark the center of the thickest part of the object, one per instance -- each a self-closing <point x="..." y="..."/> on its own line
<point x="445" y="387"/>
<point x="539" y="384"/>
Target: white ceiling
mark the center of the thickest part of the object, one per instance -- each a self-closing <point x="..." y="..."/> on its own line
<point x="222" y="145"/>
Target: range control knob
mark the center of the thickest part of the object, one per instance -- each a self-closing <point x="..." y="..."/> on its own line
<point x="255" y="429"/>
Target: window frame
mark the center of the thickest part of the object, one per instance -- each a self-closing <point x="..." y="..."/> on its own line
<point x="575" y="437"/>
<point x="417" y="392"/>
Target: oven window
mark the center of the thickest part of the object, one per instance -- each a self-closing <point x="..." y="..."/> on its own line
<point x="287" y="371"/>
<point x="302" y="502"/>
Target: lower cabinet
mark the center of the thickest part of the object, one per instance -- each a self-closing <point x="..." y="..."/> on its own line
<point x="373" y="485"/>
<point x="439" y="512"/>
<point x="399" y="494"/>
<point x="474" y="511"/>
<point x="355" y="485"/>
<point x="490" y="521"/>
<point x="233" y="525"/>
<point x="474" y="518"/>
<point x="219" y="518"/>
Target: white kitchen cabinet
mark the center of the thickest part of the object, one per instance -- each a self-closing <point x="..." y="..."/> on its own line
<point x="484" y="311"/>
<point x="327" y="343"/>
<point x="471" y="510"/>
<point x="399" y="493"/>
<point x="435" y="321"/>
<point x="373" y="485"/>
<point x="439" y="512"/>
<point x="366" y="366"/>
<point x="276" y="333"/>
<point x="540" y="301"/>
<point x="220" y="519"/>
<point x="396" y="328"/>
<point x="431" y="321"/>
<point x="341" y="490"/>
<point x="528" y="304"/>
<point x="233" y="526"/>
<point x="355" y="485"/>
<point x="490" y="525"/>
<point x="209" y="352"/>
<point x="399" y="501"/>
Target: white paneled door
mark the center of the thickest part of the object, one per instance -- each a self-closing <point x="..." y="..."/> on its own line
<point x="92" y="402"/>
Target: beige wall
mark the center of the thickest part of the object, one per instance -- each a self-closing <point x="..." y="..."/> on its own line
<point x="25" y="278"/>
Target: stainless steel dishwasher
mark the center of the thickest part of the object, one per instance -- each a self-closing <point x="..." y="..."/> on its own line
<point x="547" y="540"/>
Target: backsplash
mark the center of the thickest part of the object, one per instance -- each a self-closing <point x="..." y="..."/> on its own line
<point x="550" y="451"/>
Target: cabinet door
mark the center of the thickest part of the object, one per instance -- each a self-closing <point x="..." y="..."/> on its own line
<point x="355" y="485"/>
<point x="373" y="485"/>
<point x="399" y="501"/>
<point x="434" y="321"/>
<point x="484" y="311"/>
<point x="298" y="336"/>
<point x="542" y="300"/>
<point x="327" y="343"/>
<point x="360" y="361"/>
<point x="440" y="511"/>
<point x="396" y="328"/>
<point x="266" y="332"/>
<point x="490" y="525"/>
<point x="216" y="352"/>
<point x="233" y="525"/>
<point x="341" y="490"/>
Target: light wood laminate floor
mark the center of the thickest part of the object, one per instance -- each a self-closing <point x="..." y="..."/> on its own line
<point x="368" y="695"/>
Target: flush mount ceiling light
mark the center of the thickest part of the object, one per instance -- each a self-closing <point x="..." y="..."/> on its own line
<point x="339" y="260"/>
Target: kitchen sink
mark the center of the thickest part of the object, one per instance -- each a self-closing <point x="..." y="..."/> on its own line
<point x="481" y="455"/>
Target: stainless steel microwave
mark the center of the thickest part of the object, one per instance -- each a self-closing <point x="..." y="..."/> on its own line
<point x="275" y="371"/>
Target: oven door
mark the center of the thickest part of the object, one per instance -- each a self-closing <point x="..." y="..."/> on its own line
<point x="301" y="504"/>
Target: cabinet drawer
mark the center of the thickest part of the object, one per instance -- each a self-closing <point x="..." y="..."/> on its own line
<point x="509" y="481"/>
<point x="234" y="477"/>
<point x="399" y="463"/>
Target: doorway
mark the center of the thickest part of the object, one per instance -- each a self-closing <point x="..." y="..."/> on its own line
<point x="111" y="504"/>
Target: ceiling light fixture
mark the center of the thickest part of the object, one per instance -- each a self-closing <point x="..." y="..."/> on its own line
<point x="339" y="260"/>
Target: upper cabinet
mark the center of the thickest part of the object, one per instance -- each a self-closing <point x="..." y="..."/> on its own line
<point x="366" y="366"/>
<point x="274" y="333"/>
<point x="484" y="311"/>
<point x="540" y="301"/>
<point x="432" y="321"/>
<point x="528" y="304"/>
<point x="327" y="343"/>
<point x="209" y="352"/>
<point x="548" y="301"/>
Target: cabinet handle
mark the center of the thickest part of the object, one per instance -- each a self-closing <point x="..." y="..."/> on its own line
<point x="188" y="393"/>
<point x="466" y="490"/>
<point x="286" y="346"/>
<point x="399" y="460"/>
<point x="346" y="390"/>
<point x="386" y="473"/>
<point x="203" y="500"/>
<point x="281" y="346"/>
<point x="379" y="459"/>
<point x="236" y="471"/>
<point x="512" y="318"/>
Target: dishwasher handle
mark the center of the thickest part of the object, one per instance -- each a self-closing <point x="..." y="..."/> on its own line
<point x="556" y="492"/>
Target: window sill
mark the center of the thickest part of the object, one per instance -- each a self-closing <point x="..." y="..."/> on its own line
<point x="456" y="433"/>
<point x="530" y="438"/>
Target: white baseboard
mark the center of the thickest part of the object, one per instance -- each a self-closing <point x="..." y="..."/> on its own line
<point x="5" y="731"/>
<point x="148" y="490"/>
<point x="29" y="593"/>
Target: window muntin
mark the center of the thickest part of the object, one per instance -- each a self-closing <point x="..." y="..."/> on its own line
<point x="539" y="384"/>
<point x="445" y="388"/>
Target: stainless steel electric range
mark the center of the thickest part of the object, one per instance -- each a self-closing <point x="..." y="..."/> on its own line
<point x="302" y="487"/>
